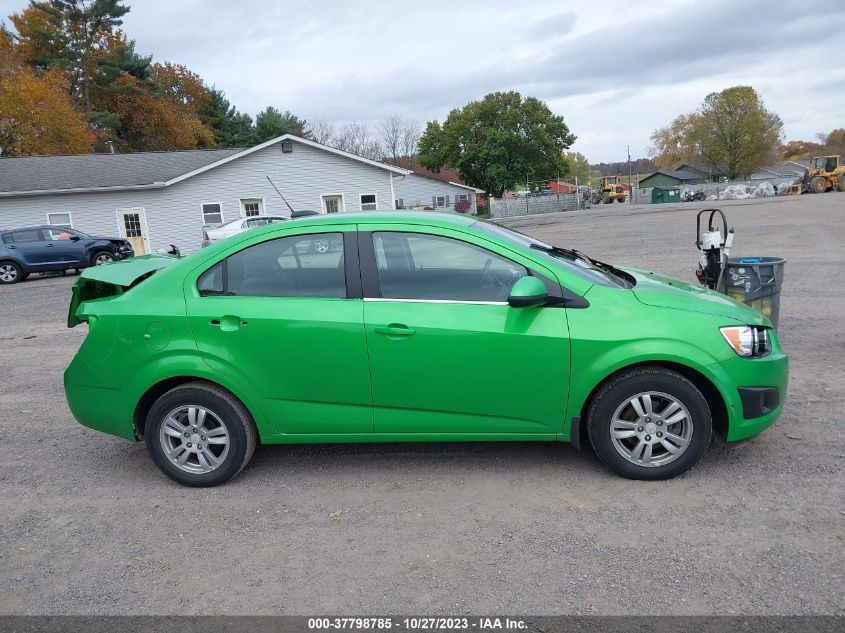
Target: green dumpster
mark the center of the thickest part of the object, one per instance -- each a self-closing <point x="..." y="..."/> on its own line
<point x="660" y="195"/>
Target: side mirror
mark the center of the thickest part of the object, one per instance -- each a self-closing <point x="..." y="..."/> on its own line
<point x="527" y="292"/>
<point x="74" y="238"/>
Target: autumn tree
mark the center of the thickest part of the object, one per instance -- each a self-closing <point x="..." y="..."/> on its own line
<point x="732" y="132"/>
<point x="496" y="142"/>
<point x="36" y="111"/>
<point x="68" y="34"/>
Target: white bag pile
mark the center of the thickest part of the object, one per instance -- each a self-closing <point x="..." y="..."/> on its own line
<point x="741" y="192"/>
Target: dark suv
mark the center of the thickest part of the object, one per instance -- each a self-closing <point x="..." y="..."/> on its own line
<point x="44" y="248"/>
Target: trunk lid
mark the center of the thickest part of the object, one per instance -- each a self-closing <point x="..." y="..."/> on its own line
<point x="109" y="280"/>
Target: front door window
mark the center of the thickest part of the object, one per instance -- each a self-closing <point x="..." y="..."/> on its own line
<point x="432" y="267"/>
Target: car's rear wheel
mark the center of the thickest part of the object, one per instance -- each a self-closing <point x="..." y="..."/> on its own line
<point x="11" y="273"/>
<point x="649" y="423"/>
<point x="103" y="257"/>
<point x="199" y="435"/>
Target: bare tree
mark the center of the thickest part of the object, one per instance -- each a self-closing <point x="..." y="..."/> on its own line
<point x="390" y="135"/>
<point x="323" y="131"/>
<point x="411" y="133"/>
<point x="355" y="138"/>
<point x="399" y="137"/>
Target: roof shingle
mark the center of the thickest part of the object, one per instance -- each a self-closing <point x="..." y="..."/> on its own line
<point x="95" y="171"/>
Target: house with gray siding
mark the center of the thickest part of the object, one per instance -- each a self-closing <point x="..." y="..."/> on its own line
<point x="155" y="199"/>
<point x="415" y="191"/>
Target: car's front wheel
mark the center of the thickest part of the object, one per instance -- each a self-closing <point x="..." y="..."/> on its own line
<point x="103" y="257"/>
<point x="199" y="435"/>
<point x="649" y="423"/>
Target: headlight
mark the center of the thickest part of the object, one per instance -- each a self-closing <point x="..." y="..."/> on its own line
<point x="748" y="341"/>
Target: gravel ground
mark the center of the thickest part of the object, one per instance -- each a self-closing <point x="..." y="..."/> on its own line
<point x="89" y="526"/>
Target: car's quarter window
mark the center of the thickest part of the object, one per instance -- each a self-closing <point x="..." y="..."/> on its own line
<point x="27" y="235"/>
<point x="423" y="266"/>
<point x="309" y="265"/>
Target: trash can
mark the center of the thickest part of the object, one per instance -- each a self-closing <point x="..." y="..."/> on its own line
<point x="756" y="282"/>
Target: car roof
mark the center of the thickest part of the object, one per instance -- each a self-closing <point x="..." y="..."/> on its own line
<point x="398" y="217"/>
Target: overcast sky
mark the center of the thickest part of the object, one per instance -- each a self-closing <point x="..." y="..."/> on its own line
<point x="614" y="72"/>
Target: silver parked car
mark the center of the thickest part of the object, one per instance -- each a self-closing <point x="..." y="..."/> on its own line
<point x="213" y="234"/>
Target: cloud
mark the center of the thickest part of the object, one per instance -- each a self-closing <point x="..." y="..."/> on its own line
<point x="613" y="70"/>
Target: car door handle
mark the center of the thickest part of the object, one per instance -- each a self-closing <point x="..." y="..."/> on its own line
<point x="395" y="329"/>
<point x="228" y="323"/>
<point x="49" y="244"/>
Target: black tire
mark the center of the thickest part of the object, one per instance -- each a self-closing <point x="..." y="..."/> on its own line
<point x="606" y="199"/>
<point x="625" y="386"/>
<point x="841" y="182"/>
<point x="818" y="184"/>
<point x="11" y="272"/>
<point x="102" y="257"/>
<point x="231" y="414"/>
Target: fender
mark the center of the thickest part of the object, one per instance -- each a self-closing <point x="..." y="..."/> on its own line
<point x="190" y="366"/>
<point x="637" y="352"/>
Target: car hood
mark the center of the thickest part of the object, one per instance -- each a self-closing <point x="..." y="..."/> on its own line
<point x="99" y="282"/>
<point x="663" y="291"/>
<point x="108" y="239"/>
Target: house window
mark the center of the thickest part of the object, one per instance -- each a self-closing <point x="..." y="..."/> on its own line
<point x="59" y="219"/>
<point x="252" y="206"/>
<point x="400" y="203"/>
<point x="462" y="197"/>
<point x="368" y="202"/>
<point x="212" y="213"/>
<point x="441" y="202"/>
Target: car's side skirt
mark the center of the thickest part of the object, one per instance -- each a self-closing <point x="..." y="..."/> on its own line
<point x="360" y="438"/>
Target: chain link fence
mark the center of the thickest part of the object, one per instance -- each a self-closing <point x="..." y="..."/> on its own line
<point x="527" y="205"/>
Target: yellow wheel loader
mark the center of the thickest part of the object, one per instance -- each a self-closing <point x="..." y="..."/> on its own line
<point x="826" y="174"/>
<point x="610" y="189"/>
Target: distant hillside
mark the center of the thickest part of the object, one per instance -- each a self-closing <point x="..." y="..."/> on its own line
<point x="638" y="166"/>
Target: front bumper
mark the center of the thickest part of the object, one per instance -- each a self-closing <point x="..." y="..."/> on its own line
<point x="754" y="391"/>
<point x="124" y="252"/>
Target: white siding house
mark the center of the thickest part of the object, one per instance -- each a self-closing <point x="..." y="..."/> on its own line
<point x="414" y="191"/>
<point x="168" y="197"/>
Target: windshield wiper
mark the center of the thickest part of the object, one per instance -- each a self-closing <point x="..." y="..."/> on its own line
<point x="566" y="252"/>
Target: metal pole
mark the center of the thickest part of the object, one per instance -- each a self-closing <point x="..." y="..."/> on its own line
<point x="630" y="188"/>
<point x="577" y="194"/>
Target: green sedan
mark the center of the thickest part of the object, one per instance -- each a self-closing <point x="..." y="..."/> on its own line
<point x="413" y="327"/>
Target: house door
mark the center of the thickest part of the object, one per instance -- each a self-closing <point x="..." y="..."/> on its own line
<point x="133" y="226"/>
<point x="333" y="204"/>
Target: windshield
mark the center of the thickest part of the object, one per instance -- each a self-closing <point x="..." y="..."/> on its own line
<point x="569" y="259"/>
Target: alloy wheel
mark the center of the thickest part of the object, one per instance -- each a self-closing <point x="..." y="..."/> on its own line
<point x="194" y="439"/>
<point x="651" y="429"/>
<point x="8" y="273"/>
<point x="103" y="258"/>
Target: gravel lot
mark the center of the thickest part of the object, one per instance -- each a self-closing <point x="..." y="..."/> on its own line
<point x="89" y="526"/>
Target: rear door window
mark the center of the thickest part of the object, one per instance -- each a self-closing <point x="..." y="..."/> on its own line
<point x="297" y="266"/>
